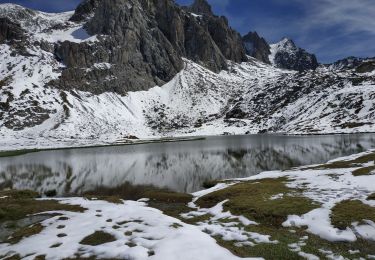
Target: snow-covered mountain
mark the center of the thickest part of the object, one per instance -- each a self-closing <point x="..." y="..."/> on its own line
<point x="285" y="54"/>
<point x="67" y="79"/>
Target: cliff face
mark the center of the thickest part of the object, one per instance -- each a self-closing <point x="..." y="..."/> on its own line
<point x="144" y="41"/>
<point x="257" y="47"/>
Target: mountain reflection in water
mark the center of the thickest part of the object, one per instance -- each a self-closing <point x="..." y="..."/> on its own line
<point x="180" y="166"/>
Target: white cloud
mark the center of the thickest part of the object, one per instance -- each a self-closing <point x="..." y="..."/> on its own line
<point x="351" y="15"/>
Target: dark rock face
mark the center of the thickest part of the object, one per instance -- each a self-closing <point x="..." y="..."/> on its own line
<point x="144" y="41"/>
<point x="84" y="10"/>
<point x="257" y="47"/>
<point x="139" y="54"/>
<point x="366" y="66"/>
<point x="289" y="56"/>
<point x="10" y="31"/>
<point x="227" y="40"/>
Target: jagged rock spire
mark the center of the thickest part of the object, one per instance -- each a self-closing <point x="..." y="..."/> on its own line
<point x="84" y="10"/>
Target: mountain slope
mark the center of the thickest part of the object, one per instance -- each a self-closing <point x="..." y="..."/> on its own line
<point x="40" y="104"/>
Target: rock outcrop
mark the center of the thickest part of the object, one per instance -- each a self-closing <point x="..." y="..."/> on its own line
<point x="84" y="10"/>
<point x="144" y="41"/>
<point x="10" y="31"/>
<point x="257" y="47"/>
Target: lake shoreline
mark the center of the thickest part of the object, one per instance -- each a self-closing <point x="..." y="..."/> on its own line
<point x="127" y="142"/>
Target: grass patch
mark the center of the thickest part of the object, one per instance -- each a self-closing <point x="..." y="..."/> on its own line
<point x="17" y="152"/>
<point x="98" y="238"/>
<point x="364" y="171"/>
<point x="13" y="257"/>
<point x="19" y="204"/>
<point x="347" y="164"/>
<point x="353" y="125"/>
<point x="128" y="191"/>
<point x="347" y="212"/>
<point x="284" y="237"/>
<point x="371" y="197"/>
<point x="266" y="251"/>
<point x="24" y="233"/>
<point x="253" y="201"/>
<point x="171" y="203"/>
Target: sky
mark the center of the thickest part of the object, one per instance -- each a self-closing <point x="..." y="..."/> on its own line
<point x="331" y="29"/>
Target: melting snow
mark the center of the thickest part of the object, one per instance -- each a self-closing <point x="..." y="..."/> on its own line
<point x="153" y="234"/>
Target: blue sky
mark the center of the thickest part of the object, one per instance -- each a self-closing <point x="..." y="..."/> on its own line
<point x="332" y="29"/>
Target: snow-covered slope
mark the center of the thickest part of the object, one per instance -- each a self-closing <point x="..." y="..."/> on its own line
<point x="250" y="97"/>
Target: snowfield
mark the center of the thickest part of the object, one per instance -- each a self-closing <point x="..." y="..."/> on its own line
<point x="156" y="236"/>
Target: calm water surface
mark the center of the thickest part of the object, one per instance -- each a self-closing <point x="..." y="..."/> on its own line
<point x="180" y="166"/>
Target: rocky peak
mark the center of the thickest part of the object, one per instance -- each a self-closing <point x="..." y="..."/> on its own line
<point x="257" y="47"/>
<point x="287" y="43"/>
<point x="85" y="10"/>
<point x="201" y="7"/>
<point x="285" y="54"/>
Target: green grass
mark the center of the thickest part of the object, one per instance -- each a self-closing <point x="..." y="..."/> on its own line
<point x="364" y="171"/>
<point x="350" y="211"/>
<point x="171" y="203"/>
<point x="284" y="237"/>
<point x="347" y="164"/>
<point x="18" y="204"/>
<point x="371" y="197"/>
<point x="13" y="257"/>
<point x="98" y="238"/>
<point x="17" y="152"/>
<point x="24" y="233"/>
<point x="252" y="199"/>
<point x="266" y="251"/>
<point x="353" y="125"/>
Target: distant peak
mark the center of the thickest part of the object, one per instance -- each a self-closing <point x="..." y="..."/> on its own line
<point x="252" y="34"/>
<point x="201" y="7"/>
<point x="286" y="40"/>
<point x="84" y="10"/>
<point x="285" y="43"/>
